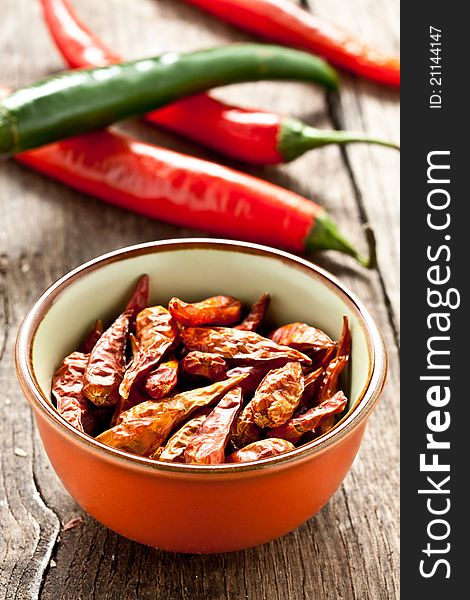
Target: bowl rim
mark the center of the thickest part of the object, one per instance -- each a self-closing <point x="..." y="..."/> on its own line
<point x="364" y="405"/>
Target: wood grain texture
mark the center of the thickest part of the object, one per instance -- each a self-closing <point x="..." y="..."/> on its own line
<point x="350" y="549"/>
<point x="365" y="106"/>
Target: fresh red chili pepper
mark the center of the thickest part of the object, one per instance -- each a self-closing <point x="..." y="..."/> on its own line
<point x="188" y="192"/>
<point x="249" y="135"/>
<point x="285" y="22"/>
<point x="79" y="46"/>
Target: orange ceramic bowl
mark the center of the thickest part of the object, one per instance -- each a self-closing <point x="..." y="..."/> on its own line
<point x="194" y="508"/>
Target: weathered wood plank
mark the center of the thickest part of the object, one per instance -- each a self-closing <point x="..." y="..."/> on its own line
<point x="365" y="106"/>
<point x="28" y="527"/>
<point x="350" y="550"/>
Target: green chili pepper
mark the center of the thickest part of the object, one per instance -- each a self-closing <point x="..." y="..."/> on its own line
<point x="79" y="101"/>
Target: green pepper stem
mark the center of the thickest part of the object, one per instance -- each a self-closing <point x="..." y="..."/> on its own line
<point x="296" y="138"/>
<point x="325" y="235"/>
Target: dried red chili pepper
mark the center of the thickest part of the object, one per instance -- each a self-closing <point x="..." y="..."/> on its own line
<point x="218" y="310"/>
<point x="138" y="396"/>
<point x="311" y="380"/>
<point x="91" y="339"/>
<point x="294" y="428"/>
<point x="245" y="430"/>
<point x="326" y="424"/>
<point x="134" y="345"/>
<point x="311" y="385"/>
<point x="97" y="419"/>
<point x="173" y="451"/>
<point x="162" y="380"/>
<point x="275" y="400"/>
<point x="278" y="395"/>
<point x="254" y="318"/>
<point x="149" y="180"/>
<point x="329" y="384"/>
<point x="204" y="364"/>
<point x="287" y="23"/>
<point x="106" y="365"/>
<point x="156" y="333"/>
<point x="207" y="446"/>
<point x="260" y="449"/>
<point x="235" y="344"/>
<point x="143" y="428"/>
<point x="283" y="394"/>
<point x="322" y="359"/>
<point x="344" y="344"/>
<point x="303" y="337"/>
<point x="254" y="374"/>
<point x="67" y="390"/>
<point x="139" y="299"/>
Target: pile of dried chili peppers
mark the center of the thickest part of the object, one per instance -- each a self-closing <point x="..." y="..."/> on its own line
<point x="198" y="383"/>
<point x="169" y="186"/>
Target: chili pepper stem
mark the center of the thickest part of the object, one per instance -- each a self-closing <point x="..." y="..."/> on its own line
<point x="325" y="236"/>
<point x="295" y="138"/>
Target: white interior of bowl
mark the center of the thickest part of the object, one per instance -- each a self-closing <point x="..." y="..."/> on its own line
<point x="193" y="274"/>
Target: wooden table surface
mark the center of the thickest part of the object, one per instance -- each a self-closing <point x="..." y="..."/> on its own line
<point x="350" y="549"/>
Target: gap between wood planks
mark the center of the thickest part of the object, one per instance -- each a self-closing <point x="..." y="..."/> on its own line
<point x="333" y="101"/>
